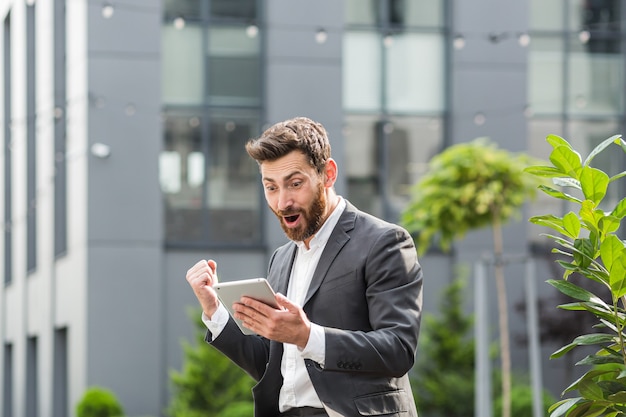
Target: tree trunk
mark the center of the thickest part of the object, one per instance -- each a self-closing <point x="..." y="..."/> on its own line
<point x="503" y="322"/>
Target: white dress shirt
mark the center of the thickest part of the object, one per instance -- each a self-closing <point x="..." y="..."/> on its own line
<point x="297" y="389"/>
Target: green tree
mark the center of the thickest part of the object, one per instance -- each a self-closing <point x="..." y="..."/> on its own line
<point x="99" y="402"/>
<point x="588" y="244"/>
<point x="209" y="383"/>
<point x="445" y="361"/>
<point x="470" y="186"/>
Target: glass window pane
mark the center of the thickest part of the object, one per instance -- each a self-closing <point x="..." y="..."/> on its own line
<point x="361" y="12"/>
<point x="415" y="73"/>
<point x="408" y="144"/>
<point x="237" y="9"/>
<point x="597" y="15"/>
<point x="234" y="67"/>
<point x="395" y="13"/>
<point x="547" y="15"/>
<point x="411" y="142"/>
<point x="596" y="83"/>
<point x="545" y="75"/>
<point x="362" y="71"/>
<point x="183" y="69"/>
<point x="421" y="13"/>
<point x="233" y="193"/>
<point x="182" y="8"/>
<point x="362" y="163"/>
<point x="183" y="199"/>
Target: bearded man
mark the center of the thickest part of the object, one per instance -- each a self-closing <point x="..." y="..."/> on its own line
<point x="349" y="291"/>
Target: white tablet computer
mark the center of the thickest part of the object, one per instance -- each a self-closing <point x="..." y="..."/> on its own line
<point x="232" y="291"/>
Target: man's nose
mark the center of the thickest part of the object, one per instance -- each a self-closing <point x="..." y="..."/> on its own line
<point x="284" y="200"/>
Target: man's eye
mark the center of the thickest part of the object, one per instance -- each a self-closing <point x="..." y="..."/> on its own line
<point x="296" y="184"/>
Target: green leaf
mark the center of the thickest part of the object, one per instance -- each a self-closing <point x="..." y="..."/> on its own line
<point x="575" y="291"/>
<point x="560" y="408"/>
<point x="611" y="250"/>
<point x="594" y="339"/>
<point x="543" y="171"/>
<point x="608" y="224"/>
<point x="567" y="182"/>
<point x="585" y="340"/>
<point x="603" y="145"/>
<point x="600" y="360"/>
<point x="594" y="410"/>
<point x="555" y="141"/>
<point x="613" y="390"/>
<point x="589" y="389"/>
<point x="571" y="223"/>
<point x="567" y="160"/>
<point x="594" y="183"/>
<point x="617" y="277"/>
<point x="618" y="397"/>
<point x="558" y="194"/>
<point x="551" y="221"/>
<point x="585" y="253"/>
<point x="620" y="209"/>
<point x="592" y="375"/>
<point x="589" y="216"/>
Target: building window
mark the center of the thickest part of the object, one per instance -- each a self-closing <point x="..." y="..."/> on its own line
<point x="212" y="97"/>
<point x="60" y="381"/>
<point x="394" y="89"/>
<point x="31" y="140"/>
<point x="7" y="381"/>
<point x="209" y="182"/>
<point x="8" y="158"/>
<point x="32" y="387"/>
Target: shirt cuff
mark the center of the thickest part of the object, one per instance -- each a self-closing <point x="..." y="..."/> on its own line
<point x="216" y="323"/>
<point x="315" y="348"/>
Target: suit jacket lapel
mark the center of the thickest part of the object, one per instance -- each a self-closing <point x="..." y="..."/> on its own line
<point x="284" y="271"/>
<point x="338" y="238"/>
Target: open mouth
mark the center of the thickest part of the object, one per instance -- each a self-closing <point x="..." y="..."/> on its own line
<point x="290" y="220"/>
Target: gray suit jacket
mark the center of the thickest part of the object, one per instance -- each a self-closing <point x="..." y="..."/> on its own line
<point x="367" y="294"/>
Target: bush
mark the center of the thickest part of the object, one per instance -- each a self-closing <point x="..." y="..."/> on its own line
<point x="239" y="409"/>
<point x="209" y="384"/>
<point x="99" y="402"/>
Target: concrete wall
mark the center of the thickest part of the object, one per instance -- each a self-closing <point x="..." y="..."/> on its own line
<point x="125" y="281"/>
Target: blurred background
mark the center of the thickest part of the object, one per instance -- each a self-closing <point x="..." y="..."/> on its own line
<point x="123" y="126"/>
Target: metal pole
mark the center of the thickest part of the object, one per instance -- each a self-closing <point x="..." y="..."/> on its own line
<point x="483" y="372"/>
<point x="534" y="351"/>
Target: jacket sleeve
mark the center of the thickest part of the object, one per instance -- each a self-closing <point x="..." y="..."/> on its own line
<point x="390" y="277"/>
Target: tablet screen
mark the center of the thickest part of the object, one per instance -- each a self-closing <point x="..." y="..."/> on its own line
<point x="231" y="292"/>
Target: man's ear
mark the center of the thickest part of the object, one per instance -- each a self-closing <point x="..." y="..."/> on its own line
<point x="330" y="173"/>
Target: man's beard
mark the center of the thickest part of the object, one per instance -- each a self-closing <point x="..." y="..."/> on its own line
<point x="310" y="220"/>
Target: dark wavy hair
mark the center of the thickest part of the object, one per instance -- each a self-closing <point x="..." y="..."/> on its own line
<point x="297" y="134"/>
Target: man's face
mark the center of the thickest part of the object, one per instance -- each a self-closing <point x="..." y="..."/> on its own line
<point x="296" y="194"/>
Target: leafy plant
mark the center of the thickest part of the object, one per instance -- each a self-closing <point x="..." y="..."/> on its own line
<point x="470" y="186"/>
<point x="588" y="242"/>
<point x="209" y="383"/>
<point x="99" y="402"/>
